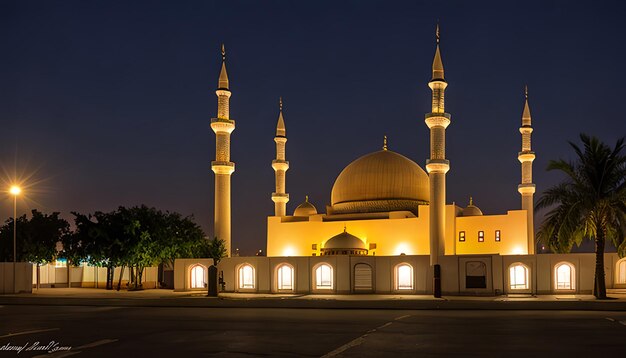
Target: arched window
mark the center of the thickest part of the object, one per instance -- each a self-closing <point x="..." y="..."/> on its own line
<point x="324" y="277"/>
<point x="564" y="277"/>
<point x="621" y="271"/>
<point x="246" y="276"/>
<point x="284" y="277"/>
<point x="362" y="277"/>
<point x="404" y="277"/>
<point x="197" y="274"/>
<point x="518" y="277"/>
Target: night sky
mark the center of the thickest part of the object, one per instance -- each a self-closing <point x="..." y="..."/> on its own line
<point x="108" y="103"/>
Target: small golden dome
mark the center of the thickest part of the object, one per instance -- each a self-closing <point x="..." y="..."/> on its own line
<point x="344" y="240"/>
<point x="471" y="209"/>
<point x="305" y="209"/>
<point x="378" y="182"/>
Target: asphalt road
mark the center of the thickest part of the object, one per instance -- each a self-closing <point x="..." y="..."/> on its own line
<point x="244" y="332"/>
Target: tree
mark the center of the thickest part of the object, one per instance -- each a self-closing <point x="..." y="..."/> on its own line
<point x="36" y="239"/>
<point x="42" y="233"/>
<point x="216" y="250"/>
<point x="589" y="204"/>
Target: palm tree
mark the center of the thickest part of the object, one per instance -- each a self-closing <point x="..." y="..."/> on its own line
<point x="589" y="204"/>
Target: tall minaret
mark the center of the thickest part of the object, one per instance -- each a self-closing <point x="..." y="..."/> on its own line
<point x="527" y="188"/>
<point x="280" y="165"/>
<point x="437" y="166"/>
<point x="222" y="166"/>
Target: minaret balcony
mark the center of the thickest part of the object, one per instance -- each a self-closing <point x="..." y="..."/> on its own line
<point x="220" y="125"/>
<point x="280" y="164"/>
<point x="526" y="189"/>
<point x="280" y="197"/>
<point x="437" y="166"/>
<point x="223" y="92"/>
<point x="437" y="120"/>
<point x="526" y="156"/>
<point x="222" y="167"/>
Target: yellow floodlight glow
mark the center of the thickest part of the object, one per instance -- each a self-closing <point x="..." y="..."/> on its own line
<point x="15" y="190"/>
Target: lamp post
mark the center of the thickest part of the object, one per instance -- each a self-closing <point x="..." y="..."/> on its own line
<point x="15" y="191"/>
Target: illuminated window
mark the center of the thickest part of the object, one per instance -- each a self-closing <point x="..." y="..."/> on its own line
<point x="481" y="236"/>
<point x="246" y="277"/>
<point x="324" y="277"/>
<point x="518" y="277"/>
<point x="285" y="277"/>
<point x="621" y="271"/>
<point x="564" y="276"/>
<point x="498" y="235"/>
<point x="461" y="236"/>
<point x="404" y="277"/>
<point x="197" y="274"/>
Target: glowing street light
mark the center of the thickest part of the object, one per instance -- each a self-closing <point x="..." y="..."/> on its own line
<point x="15" y="191"/>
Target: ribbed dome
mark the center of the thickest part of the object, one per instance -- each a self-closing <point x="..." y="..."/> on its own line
<point x="380" y="181"/>
<point x="305" y="209"/>
<point x="344" y="241"/>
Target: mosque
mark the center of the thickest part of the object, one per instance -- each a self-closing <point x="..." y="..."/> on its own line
<point x="388" y="228"/>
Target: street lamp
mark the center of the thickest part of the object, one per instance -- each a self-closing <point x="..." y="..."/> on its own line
<point x="15" y="191"/>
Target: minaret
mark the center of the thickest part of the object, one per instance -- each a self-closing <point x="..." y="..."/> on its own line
<point x="527" y="188"/>
<point x="223" y="126"/>
<point x="280" y="165"/>
<point x="437" y="166"/>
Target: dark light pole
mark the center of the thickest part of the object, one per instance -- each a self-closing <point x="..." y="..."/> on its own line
<point x="15" y="190"/>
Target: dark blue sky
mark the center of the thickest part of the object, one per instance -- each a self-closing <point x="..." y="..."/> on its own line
<point x="109" y="103"/>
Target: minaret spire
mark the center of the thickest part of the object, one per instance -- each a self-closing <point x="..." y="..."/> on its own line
<point x="437" y="166"/>
<point x="223" y="80"/>
<point x="527" y="187"/>
<point x="437" y="63"/>
<point x="280" y="165"/>
<point x="223" y="168"/>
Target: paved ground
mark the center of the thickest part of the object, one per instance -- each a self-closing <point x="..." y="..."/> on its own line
<point x="245" y="332"/>
<point x="168" y="298"/>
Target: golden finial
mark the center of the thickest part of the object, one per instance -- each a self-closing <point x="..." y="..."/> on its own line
<point x="471" y="201"/>
<point x="306" y="198"/>
<point x="223" y="53"/>
<point x="280" y="103"/>
<point x="526" y="91"/>
<point x="437" y="32"/>
<point x="384" y="142"/>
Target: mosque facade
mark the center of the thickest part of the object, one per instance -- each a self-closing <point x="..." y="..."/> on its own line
<point x="388" y="227"/>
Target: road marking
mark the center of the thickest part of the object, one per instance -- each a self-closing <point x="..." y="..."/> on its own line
<point x="357" y="341"/>
<point x="609" y="319"/>
<point x="29" y="332"/>
<point x="622" y="323"/>
<point x="402" y="317"/>
<point x="346" y="346"/>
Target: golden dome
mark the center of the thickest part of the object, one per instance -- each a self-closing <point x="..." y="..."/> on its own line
<point x="305" y="209"/>
<point x="344" y="240"/>
<point x="379" y="182"/>
<point x="471" y="209"/>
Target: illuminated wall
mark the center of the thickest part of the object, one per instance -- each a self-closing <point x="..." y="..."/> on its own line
<point x="392" y="236"/>
<point x="513" y="235"/>
<point x="398" y="234"/>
